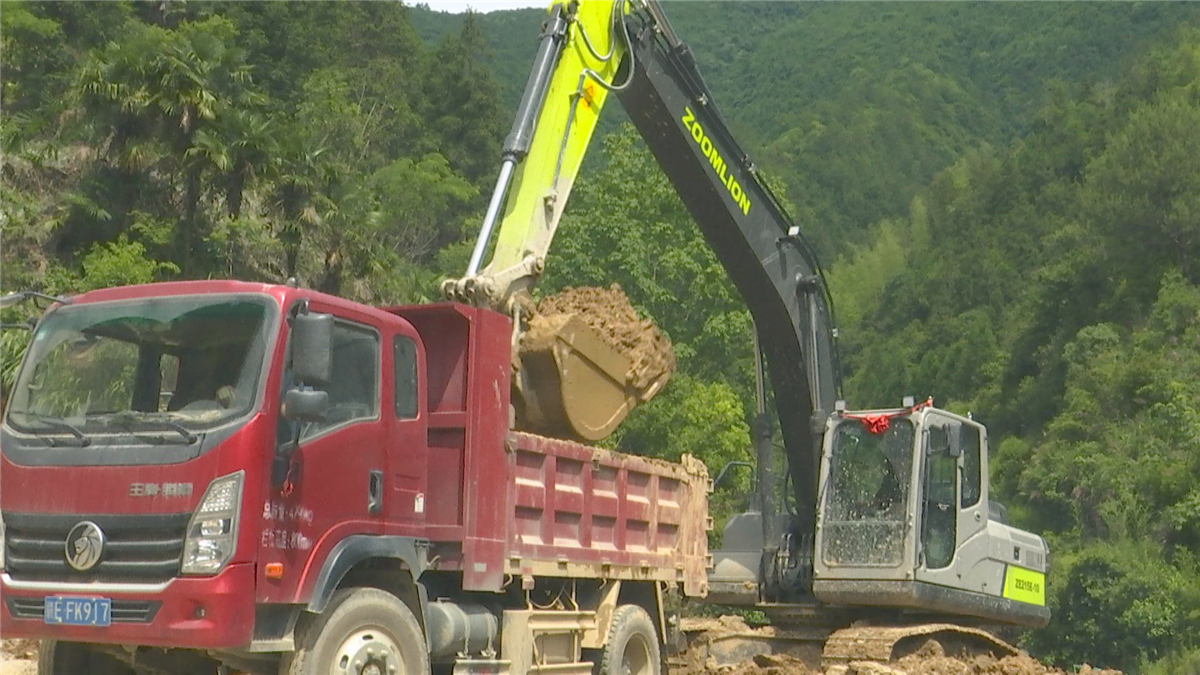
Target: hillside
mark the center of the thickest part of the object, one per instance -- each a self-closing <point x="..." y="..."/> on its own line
<point x="856" y="106"/>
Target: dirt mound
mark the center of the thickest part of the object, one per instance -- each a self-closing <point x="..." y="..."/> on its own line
<point x="783" y="664"/>
<point x="609" y="312"/>
<point x="773" y="664"/>
<point x="932" y="658"/>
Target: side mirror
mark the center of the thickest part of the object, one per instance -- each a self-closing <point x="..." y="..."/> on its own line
<point x="305" y="405"/>
<point x="312" y="348"/>
<point x="954" y="429"/>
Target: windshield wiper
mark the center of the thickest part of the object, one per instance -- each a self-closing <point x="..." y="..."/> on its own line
<point x="57" y="423"/>
<point x="126" y="421"/>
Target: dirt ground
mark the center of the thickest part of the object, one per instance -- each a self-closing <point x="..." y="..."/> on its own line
<point x="19" y="657"/>
<point x="909" y="665"/>
<point x="609" y="312"/>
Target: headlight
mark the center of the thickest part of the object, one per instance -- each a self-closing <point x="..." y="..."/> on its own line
<point x="212" y="532"/>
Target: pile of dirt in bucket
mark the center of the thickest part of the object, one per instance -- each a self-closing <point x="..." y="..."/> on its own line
<point x="608" y="312"/>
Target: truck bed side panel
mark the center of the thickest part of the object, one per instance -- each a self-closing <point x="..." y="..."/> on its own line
<point x="587" y="512"/>
<point x="510" y="504"/>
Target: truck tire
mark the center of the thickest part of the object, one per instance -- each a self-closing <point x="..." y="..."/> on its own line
<point x="72" y="658"/>
<point x="362" y="631"/>
<point x="632" y="647"/>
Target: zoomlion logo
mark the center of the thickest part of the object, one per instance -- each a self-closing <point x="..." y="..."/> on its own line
<point x="719" y="165"/>
<point x="85" y="544"/>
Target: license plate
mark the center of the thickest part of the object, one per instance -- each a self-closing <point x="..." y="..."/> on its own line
<point x="71" y="611"/>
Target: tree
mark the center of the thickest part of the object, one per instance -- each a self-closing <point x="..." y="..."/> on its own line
<point x="463" y="106"/>
<point x="152" y="95"/>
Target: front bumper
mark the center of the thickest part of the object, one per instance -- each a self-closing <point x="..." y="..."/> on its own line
<point x="186" y="612"/>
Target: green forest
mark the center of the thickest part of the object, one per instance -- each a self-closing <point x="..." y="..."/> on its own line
<point x="1006" y="198"/>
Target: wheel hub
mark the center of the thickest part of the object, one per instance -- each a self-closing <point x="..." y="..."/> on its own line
<point x="636" y="659"/>
<point x="368" y="652"/>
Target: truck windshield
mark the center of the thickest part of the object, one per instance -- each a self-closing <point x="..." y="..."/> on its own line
<point x="867" y="493"/>
<point x="159" y="366"/>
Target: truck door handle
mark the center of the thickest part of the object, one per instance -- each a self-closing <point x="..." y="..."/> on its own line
<point x="375" y="492"/>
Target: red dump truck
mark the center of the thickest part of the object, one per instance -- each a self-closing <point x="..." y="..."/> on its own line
<point x="262" y="478"/>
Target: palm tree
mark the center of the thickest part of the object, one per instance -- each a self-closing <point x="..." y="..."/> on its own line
<point x="159" y="98"/>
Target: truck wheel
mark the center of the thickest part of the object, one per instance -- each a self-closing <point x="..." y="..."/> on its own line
<point x="363" y="631"/>
<point x="632" y="647"/>
<point x="71" y="658"/>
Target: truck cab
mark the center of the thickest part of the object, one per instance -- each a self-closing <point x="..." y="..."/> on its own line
<point x="140" y="443"/>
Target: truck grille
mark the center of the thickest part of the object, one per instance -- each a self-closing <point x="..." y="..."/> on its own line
<point x="138" y="548"/>
<point x="123" y="611"/>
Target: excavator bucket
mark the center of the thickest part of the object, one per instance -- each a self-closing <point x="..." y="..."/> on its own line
<point x="586" y="360"/>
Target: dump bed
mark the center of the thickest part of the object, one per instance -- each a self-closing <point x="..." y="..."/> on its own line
<point x="579" y="511"/>
<point x="501" y="505"/>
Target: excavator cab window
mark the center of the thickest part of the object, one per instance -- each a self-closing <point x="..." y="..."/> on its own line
<point x="867" y="494"/>
<point x="972" y="479"/>
<point x="938" y="524"/>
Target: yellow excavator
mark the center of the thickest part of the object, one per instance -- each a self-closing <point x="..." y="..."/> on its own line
<point x="888" y="517"/>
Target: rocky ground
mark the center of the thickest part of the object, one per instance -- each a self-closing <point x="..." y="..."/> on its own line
<point x="19" y="657"/>
<point x="932" y="662"/>
<point x="799" y="652"/>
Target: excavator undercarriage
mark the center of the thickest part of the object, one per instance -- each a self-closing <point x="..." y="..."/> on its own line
<point x="713" y="644"/>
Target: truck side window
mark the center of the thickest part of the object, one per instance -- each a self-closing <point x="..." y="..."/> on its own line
<point x="972" y="477"/>
<point x="354" y="384"/>
<point x="404" y="356"/>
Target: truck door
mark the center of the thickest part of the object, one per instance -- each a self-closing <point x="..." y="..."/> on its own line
<point x="327" y="489"/>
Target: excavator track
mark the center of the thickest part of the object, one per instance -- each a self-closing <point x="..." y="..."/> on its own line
<point x="884" y="644"/>
<point x="716" y="643"/>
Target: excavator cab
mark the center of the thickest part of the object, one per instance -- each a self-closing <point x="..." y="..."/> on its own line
<point x="904" y="521"/>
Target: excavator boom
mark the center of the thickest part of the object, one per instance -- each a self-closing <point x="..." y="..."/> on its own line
<point x="774" y="269"/>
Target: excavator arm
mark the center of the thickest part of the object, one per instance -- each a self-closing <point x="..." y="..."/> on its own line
<point x="576" y="61"/>
<point x="948" y="557"/>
